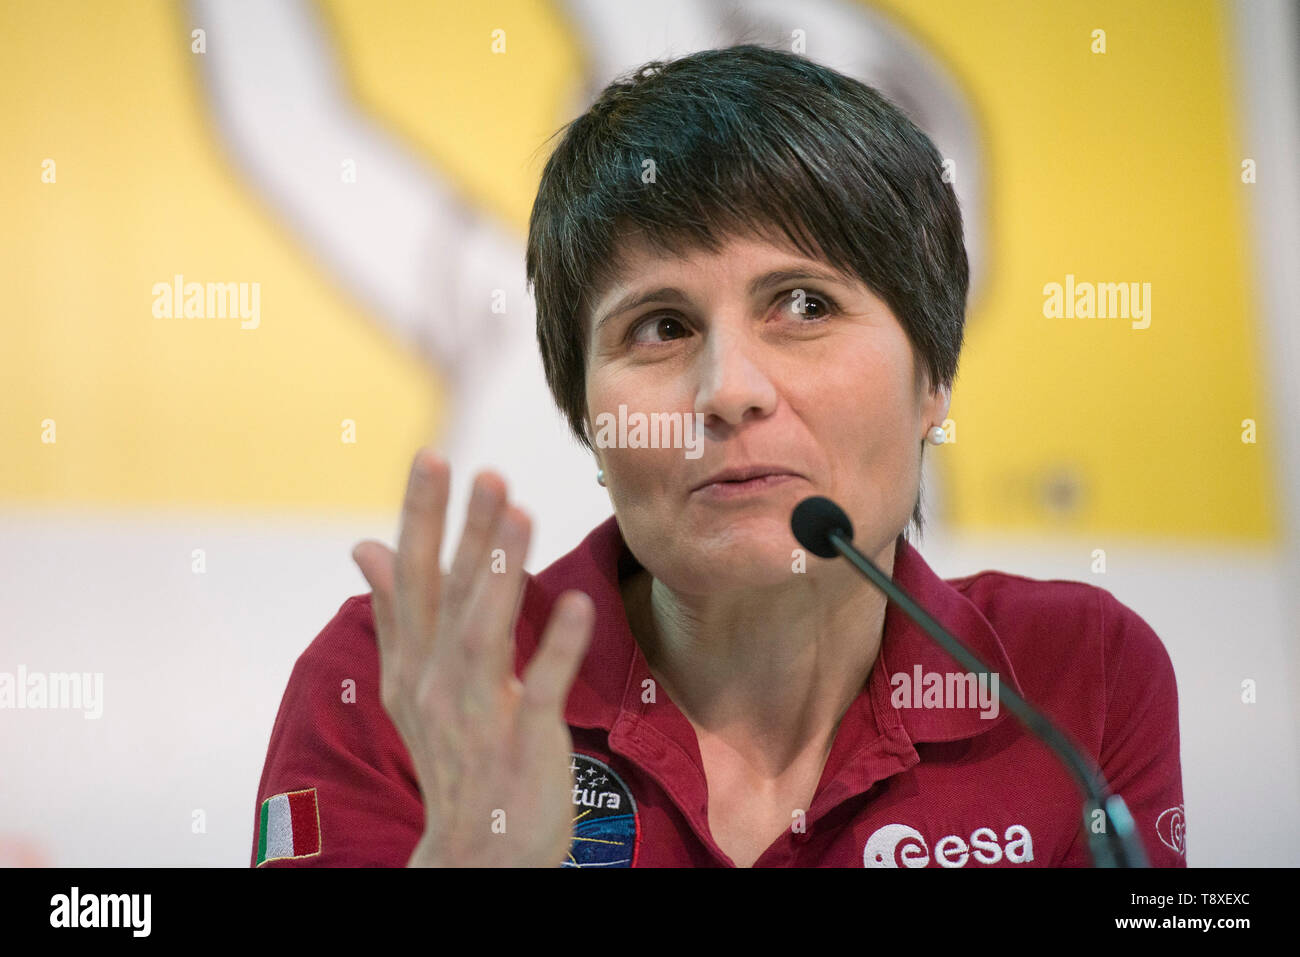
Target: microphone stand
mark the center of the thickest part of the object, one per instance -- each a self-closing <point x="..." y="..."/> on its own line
<point x="1117" y="844"/>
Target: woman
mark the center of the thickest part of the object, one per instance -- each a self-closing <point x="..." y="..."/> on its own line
<point x="769" y="249"/>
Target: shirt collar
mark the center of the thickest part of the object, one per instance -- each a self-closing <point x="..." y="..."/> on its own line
<point x="607" y="684"/>
<point x="909" y="651"/>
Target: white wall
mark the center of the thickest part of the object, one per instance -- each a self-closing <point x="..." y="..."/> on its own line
<point x="194" y="667"/>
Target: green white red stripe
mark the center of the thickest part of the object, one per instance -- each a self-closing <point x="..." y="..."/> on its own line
<point x="289" y="826"/>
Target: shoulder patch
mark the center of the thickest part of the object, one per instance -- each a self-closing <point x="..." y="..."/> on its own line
<point x="1171" y="829"/>
<point x="606" y="828"/>
<point x="288" y="827"/>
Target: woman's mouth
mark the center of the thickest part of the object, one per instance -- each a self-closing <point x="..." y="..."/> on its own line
<point x="728" y="490"/>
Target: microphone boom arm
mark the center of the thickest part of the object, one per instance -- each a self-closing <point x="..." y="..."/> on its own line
<point x="1117" y="844"/>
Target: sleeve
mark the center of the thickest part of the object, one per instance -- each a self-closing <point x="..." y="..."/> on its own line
<point x="1139" y="752"/>
<point x="338" y="788"/>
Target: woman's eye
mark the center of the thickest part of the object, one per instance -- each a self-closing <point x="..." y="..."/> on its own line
<point x="809" y="305"/>
<point x="658" y="325"/>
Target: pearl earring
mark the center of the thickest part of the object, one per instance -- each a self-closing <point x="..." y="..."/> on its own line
<point x="936" y="435"/>
<point x="600" y="477"/>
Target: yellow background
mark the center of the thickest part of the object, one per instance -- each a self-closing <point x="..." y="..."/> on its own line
<point x="1116" y="167"/>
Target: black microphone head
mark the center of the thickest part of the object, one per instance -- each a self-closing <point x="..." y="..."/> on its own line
<point x="812" y="522"/>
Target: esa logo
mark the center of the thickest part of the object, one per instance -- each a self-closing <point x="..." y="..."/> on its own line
<point x="897" y="845"/>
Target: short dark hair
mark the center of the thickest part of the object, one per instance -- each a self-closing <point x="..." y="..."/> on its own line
<point x="744" y="140"/>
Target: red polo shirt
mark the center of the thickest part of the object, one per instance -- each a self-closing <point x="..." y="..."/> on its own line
<point x="908" y="783"/>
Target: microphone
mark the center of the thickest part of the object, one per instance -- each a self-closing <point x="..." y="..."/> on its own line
<point x="821" y="526"/>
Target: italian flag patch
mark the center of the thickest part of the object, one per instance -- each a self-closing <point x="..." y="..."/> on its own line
<point x="289" y="826"/>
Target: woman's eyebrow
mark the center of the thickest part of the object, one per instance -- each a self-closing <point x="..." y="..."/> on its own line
<point x="634" y="299"/>
<point x="779" y="277"/>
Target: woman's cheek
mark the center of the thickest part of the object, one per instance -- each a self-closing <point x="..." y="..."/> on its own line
<point x="651" y="475"/>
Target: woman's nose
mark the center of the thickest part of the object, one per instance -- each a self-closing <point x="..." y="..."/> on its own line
<point x="733" y="383"/>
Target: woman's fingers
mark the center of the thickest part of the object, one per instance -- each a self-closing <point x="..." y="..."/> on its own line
<point x="489" y="614"/>
<point x="485" y="507"/>
<point x="479" y="738"/>
<point x="550" y="673"/>
<point x="376" y="563"/>
<point x="417" y="576"/>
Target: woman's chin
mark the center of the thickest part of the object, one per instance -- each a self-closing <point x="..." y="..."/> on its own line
<point x="721" y="552"/>
<point x="767" y="564"/>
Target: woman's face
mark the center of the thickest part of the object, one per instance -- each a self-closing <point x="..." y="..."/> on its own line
<point x="827" y="394"/>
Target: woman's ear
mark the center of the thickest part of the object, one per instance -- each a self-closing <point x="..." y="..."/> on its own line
<point x="945" y="396"/>
<point x="591" y="441"/>
<point x="936" y="406"/>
